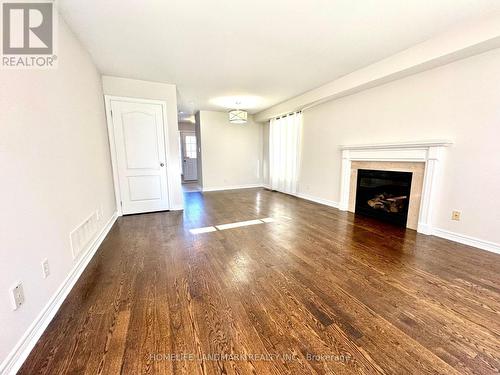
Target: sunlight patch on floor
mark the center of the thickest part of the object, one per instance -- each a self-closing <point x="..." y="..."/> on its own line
<point x="268" y="220"/>
<point x="231" y="225"/>
<point x="238" y="224"/>
<point x="202" y="230"/>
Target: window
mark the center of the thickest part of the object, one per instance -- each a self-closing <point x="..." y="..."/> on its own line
<point x="190" y="146"/>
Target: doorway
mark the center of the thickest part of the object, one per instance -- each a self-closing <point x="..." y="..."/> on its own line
<point x="189" y="144"/>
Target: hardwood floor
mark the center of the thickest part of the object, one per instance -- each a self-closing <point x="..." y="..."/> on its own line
<point x="315" y="291"/>
<point x="188" y="187"/>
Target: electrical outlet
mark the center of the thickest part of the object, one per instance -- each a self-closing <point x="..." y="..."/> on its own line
<point x="455" y="215"/>
<point x="17" y="296"/>
<point x="45" y="268"/>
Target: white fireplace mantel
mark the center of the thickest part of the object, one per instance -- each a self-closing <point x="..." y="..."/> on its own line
<point x="428" y="152"/>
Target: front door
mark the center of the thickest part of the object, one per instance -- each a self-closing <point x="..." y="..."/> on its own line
<point x="140" y="155"/>
<point x="189" y="157"/>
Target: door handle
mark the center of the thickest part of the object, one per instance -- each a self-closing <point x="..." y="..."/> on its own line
<point x="162" y="165"/>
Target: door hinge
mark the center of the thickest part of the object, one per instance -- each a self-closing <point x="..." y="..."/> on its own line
<point x="111" y="113"/>
<point x="121" y="203"/>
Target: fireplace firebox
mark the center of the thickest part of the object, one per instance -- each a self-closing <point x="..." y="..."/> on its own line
<point x="384" y="195"/>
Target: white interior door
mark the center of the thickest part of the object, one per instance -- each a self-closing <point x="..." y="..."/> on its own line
<point x="140" y="156"/>
<point x="189" y="156"/>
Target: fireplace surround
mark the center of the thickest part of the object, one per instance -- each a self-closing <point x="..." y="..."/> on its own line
<point x="428" y="155"/>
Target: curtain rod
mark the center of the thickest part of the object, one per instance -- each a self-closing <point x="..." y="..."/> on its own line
<point x="288" y="114"/>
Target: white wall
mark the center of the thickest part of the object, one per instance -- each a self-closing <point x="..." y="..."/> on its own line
<point x="159" y="91"/>
<point x="231" y="153"/>
<point x="459" y="101"/>
<point x="55" y="171"/>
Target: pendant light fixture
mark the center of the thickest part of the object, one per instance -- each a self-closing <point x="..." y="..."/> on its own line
<point x="238" y="116"/>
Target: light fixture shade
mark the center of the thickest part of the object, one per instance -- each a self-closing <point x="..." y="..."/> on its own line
<point x="238" y="116"/>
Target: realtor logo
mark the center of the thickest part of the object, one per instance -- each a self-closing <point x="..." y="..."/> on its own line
<point x="28" y="35"/>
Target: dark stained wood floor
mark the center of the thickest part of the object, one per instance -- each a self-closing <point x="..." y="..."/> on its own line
<point x="317" y="291"/>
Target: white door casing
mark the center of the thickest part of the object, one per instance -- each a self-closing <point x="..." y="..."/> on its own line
<point x="189" y="156"/>
<point x="138" y="150"/>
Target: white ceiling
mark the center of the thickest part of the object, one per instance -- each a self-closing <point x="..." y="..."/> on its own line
<point x="264" y="50"/>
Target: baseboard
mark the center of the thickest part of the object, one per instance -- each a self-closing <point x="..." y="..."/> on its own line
<point x="424" y="228"/>
<point x="18" y="355"/>
<point x="266" y="186"/>
<point x="326" y="202"/>
<point x="176" y="208"/>
<point x="467" y="240"/>
<point x="234" y="187"/>
<point x="343" y="207"/>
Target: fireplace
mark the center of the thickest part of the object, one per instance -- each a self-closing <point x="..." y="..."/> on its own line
<point x="422" y="158"/>
<point x="384" y="195"/>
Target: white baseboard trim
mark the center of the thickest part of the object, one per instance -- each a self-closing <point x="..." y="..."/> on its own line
<point x="343" y="207"/>
<point x="18" y="355"/>
<point x="266" y="186"/>
<point x="467" y="240"/>
<point x="326" y="202"/>
<point x="176" y="208"/>
<point x="424" y="228"/>
<point x="234" y="187"/>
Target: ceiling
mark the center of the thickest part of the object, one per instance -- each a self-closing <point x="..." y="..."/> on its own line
<point x="263" y="51"/>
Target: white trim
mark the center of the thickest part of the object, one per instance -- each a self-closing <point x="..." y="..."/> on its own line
<point x="234" y="187"/>
<point x="112" y="149"/>
<point x="402" y="145"/>
<point x="267" y="186"/>
<point x="177" y="208"/>
<point x="18" y="355"/>
<point x="428" y="152"/>
<point x="424" y="228"/>
<point x="323" y="201"/>
<point x="467" y="240"/>
<point x="111" y="133"/>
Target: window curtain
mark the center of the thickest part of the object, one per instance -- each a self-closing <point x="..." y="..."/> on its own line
<point x="284" y="148"/>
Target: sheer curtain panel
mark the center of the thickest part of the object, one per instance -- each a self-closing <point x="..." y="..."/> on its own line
<point x="284" y="149"/>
